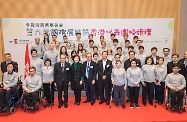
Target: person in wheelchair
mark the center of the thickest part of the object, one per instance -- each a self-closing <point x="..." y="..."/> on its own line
<point x="31" y="86"/>
<point x="176" y="84"/>
<point x="10" y="79"/>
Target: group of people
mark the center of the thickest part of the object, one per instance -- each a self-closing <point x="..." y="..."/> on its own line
<point x="110" y="68"/>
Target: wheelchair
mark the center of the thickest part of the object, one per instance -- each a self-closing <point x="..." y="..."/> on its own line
<point x="39" y="100"/>
<point x="14" y="98"/>
<point x="168" y="101"/>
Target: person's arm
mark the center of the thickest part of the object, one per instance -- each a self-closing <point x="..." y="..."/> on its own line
<point x="125" y="77"/>
<point x="39" y="80"/>
<point x="81" y="72"/>
<point x="129" y="76"/>
<point x="109" y="70"/>
<point x="55" y="73"/>
<point x="100" y="73"/>
<point x="112" y="76"/>
<point x="95" y="71"/>
<point x="143" y="72"/>
<point x="162" y="77"/>
<point x="140" y="78"/>
<point x="24" y="84"/>
<point x="183" y="85"/>
<point x="168" y="82"/>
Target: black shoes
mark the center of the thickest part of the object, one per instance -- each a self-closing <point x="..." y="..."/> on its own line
<point x="131" y="105"/>
<point x="92" y="102"/>
<point x="144" y="104"/>
<point x="137" y="106"/>
<point x="123" y="106"/>
<point x="107" y="102"/>
<point x="60" y="104"/>
<point x="127" y="100"/>
<point x="102" y="101"/>
<point x="117" y="105"/>
<point x="65" y="105"/>
<point x="86" y="101"/>
<point x="77" y="103"/>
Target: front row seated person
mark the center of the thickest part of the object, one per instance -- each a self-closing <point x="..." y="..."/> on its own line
<point x="176" y="83"/>
<point x="31" y="86"/>
<point x="10" y="79"/>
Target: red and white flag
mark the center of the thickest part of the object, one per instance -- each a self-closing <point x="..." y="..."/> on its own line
<point x="27" y="61"/>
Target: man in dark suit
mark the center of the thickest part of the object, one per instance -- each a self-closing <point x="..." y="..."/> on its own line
<point x="104" y="70"/>
<point x="127" y="63"/>
<point x="184" y="61"/>
<point x="62" y="78"/>
<point x="8" y="59"/>
<point x="90" y="70"/>
<point x="154" y="55"/>
<point x="175" y="61"/>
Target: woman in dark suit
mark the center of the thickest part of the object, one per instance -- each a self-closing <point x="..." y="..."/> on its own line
<point x="77" y="79"/>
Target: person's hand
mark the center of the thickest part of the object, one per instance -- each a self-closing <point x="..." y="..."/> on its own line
<point x="4" y="87"/>
<point x="158" y="83"/>
<point x="55" y="84"/>
<point x="135" y="84"/>
<point x="29" y="91"/>
<point x="112" y="82"/>
<point x="80" y="82"/>
<point x="104" y="77"/>
<point x="125" y="87"/>
<point x="93" y="81"/>
<point x="144" y="84"/>
<point x="50" y="81"/>
<point x="69" y="83"/>
<point x="174" y="88"/>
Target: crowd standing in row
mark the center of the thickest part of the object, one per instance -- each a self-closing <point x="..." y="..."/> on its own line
<point x="99" y="69"/>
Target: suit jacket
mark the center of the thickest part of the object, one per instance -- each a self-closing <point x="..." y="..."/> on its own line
<point x="156" y="59"/>
<point x="60" y="76"/>
<point x="4" y="68"/>
<point x="127" y="63"/>
<point x="92" y="70"/>
<point x="107" y="72"/>
<point x="76" y="76"/>
<point x="185" y="68"/>
<point x="181" y="67"/>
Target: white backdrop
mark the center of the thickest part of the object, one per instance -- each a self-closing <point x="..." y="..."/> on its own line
<point x="19" y="31"/>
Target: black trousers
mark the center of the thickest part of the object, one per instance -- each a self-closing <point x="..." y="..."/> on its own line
<point x="147" y="90"/>
<point x="119" y="94"/>
<point x="97" y="93"/>
<point x="31" y="98"/>
<point x="5" y="96"/>
<point x="159" y="92"/>
<point x="176" y="96"/>
<point x="64" y="88"/>
<point x="77" y="93"/>
<point x="49" y="95"/>
<point x="134" y="94"/>
<point x="90" y="89"/>
<point x="105" y="86"/>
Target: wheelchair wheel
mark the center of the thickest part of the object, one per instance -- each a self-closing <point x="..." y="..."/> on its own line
<point x="12" y="110"/>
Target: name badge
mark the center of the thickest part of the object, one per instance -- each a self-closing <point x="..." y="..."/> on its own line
<point x="91" y="66"/>
<point x="67" y="68"/>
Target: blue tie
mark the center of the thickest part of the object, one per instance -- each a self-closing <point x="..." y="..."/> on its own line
<point x="87" y="69"/>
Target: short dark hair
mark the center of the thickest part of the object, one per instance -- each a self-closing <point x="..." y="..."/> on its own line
<point x="141" y="47"/>
<point x="32" y="50"/>
<point x="54" y="35"/>
<point x="161" y="58"/>
<point x="116" y="55"/>
<point x="32" y="68"/>
<point x="47" y="59"/>
<point x="132" y="61"/>
<point x="147" y="58"/>
<point x="166" y="48"/>
<point x="175" y="65"/>
<point x="154" y="48"/>
<point x="119" y="48"/>
<point x="127" y="41"/>
<point x="115" y="40"/>
<point x="78" y="34"/>
<point x="112" y="34"/>
<point x="90" y="35"/>
<point x="101" y="37"/>
<point x="95" y="47"/>
<point x="131" y="52"/>
<point x="64" y="36"/>
<point x="130" y="47"/>
<point x="95" y="54"/>
<point x="9" y="64"/>
<point x="76" y="56"/>
<point x="7" y="54"/>
<point x="118" y="61"/>
<point x="104" y="52"/>
<point x="135" y="37"/>
<point x="175" y="55"/>
<point x="91" y="41"/>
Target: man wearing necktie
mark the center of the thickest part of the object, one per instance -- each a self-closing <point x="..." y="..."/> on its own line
<point x="104" y="70"/>
<point x="62" y="76"/>
<point x="90" y="71"/>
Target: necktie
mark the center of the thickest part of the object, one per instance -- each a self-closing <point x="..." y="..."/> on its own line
<point x="87" y="69"/>
<point x="62" y="67"/>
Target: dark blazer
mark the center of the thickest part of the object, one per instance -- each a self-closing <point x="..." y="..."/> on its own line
<point x="76" y="74"/>
<point x="181" y="66"/>
<point x="127" y="63"/>
<point x="4" y="69"/>
<point x="107" y="72"/>
<point x="157" y="57"/>
<point x="60" y="76"/>
<point x="92" y="71"/>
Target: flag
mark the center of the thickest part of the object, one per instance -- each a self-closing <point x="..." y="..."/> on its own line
<point x="27" y="61"/>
